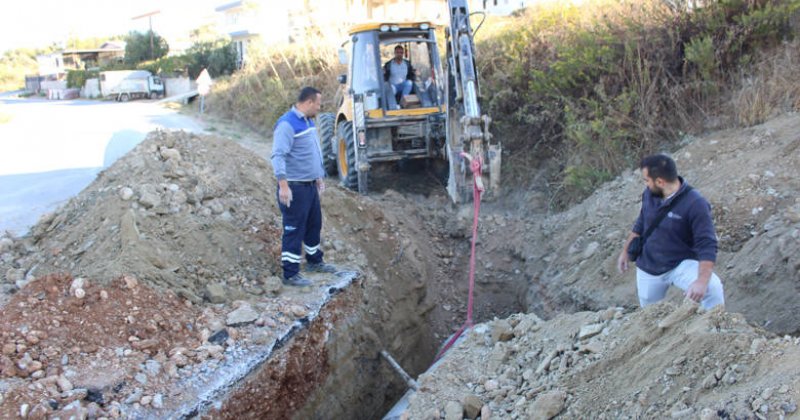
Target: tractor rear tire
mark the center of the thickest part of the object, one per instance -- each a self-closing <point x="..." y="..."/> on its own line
<point x="326" y="123"/>
<point x="346" y="155"/>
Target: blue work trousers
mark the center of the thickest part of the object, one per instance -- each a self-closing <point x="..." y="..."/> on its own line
<point x="403" y="88"/>
<point x="302" y="223"/>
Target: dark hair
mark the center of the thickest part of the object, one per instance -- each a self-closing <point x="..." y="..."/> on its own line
<point x="400" y="47"/>
<point x="660" y="166"/>
<point x="307" y="93"/>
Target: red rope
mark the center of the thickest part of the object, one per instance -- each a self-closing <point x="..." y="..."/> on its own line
<point x="477" y="189"/>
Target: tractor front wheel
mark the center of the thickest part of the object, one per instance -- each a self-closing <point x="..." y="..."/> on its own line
<point x="346" y="155"/>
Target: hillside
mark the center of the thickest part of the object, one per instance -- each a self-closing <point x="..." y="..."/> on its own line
<point x="664" y="361"/>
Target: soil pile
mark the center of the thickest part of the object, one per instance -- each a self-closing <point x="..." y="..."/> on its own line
<point x="751" y="177"/>
<point x="193" y="221"/>
<point x="68" y="340"/>
<point x="161" y="276"/>
<point x="195" y="215"/>
<point x="664" y="361"/>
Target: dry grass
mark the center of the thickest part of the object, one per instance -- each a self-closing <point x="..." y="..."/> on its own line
<point x="770" y="88"/>
<point x="591" y="85"/>
<point x="596" y="86"/>
<point x="259" y="93"/>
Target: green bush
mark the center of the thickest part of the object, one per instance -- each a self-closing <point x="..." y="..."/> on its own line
<point x="77" y="78"/>
<point x="701" y="53"/>
<point x="598" y="85"/>
<point x="117" y="66"/>
<point x="219" y="57"/>
<point x="137" y="47"/>
<point x="167" y="66"/>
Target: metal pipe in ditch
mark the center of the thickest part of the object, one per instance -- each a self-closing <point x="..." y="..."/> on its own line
<point x="396" y="366"/>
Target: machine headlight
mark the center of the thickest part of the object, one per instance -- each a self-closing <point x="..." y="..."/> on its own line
<point x="395" y="28"/>
<point x="384" y="28"/>
<point x="424" y="26"/>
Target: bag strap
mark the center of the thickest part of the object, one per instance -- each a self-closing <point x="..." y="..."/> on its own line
<point x="664" y="212"/>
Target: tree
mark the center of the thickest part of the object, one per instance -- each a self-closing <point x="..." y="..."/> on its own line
<point x="90" y="43"/>
<point x="219" y="57"/>
<point x="204" y="33"/>
<point x="222" y="60"/>
<point x="138" y="49"/>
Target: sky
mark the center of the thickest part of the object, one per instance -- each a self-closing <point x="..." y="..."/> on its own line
<point x="39" y="23"/>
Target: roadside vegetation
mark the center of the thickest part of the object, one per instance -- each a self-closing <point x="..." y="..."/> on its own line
<point x="14" y="65"/>
<point x="209" y="50"/>
<point x="597" y="86"/>
<point x="260" y="92"/>
<point x="591" y="87"/>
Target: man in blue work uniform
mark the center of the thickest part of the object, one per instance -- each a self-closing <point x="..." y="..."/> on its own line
<point x="297" y="162"/>
<point x="682" y="249"/>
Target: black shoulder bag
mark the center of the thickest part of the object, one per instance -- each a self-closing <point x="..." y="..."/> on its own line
<point x="637" y="244"/>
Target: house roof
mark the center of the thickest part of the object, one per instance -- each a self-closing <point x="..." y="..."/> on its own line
<point x="92" y="51"/>
<point x="228" y="6"/>
<point x="113" y="45"/>
<point x="110" y="46"/>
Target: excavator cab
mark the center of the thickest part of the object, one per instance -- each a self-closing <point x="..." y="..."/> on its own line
<point x="378" y="121"/>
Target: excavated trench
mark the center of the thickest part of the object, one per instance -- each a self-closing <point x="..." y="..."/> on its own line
<point x="410" y="300"/>
<point x="407" y="303"/>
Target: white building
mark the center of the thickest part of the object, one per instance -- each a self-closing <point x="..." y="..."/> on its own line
<point x="504" y="7"/>
<point x="51" y="64"/>
<point x="246" y="22"/>
<point x="270" y="22"/>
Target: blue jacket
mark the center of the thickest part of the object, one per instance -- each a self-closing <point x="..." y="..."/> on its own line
<point x="296" y="153"/>
<point x="686" y="233"/>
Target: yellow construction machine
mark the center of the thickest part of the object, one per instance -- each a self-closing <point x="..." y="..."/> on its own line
<point x="439" y="119"/>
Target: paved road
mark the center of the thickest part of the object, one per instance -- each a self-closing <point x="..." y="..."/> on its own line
<point x="51" y="150"/>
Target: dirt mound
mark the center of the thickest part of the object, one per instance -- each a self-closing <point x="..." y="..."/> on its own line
<point x="72" y="340"/>
<point x="155" y="317"/>
<point x="182" y="212"/>
<point x="660" y="362"/>
<point x="751" y="178"/>
<point x="194" y="218"/>
<point x="664" y="361"/>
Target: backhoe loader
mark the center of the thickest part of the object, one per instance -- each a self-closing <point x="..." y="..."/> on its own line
<point x="439" y="119"/>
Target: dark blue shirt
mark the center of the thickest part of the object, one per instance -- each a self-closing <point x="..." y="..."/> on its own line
<point x="685" y="233"/>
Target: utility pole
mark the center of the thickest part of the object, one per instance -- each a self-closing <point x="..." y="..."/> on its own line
<point x="149" y="17"/>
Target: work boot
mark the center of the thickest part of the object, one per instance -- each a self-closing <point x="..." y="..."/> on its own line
<point x="297" y="280"/>
<point x="321" y="268"/>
